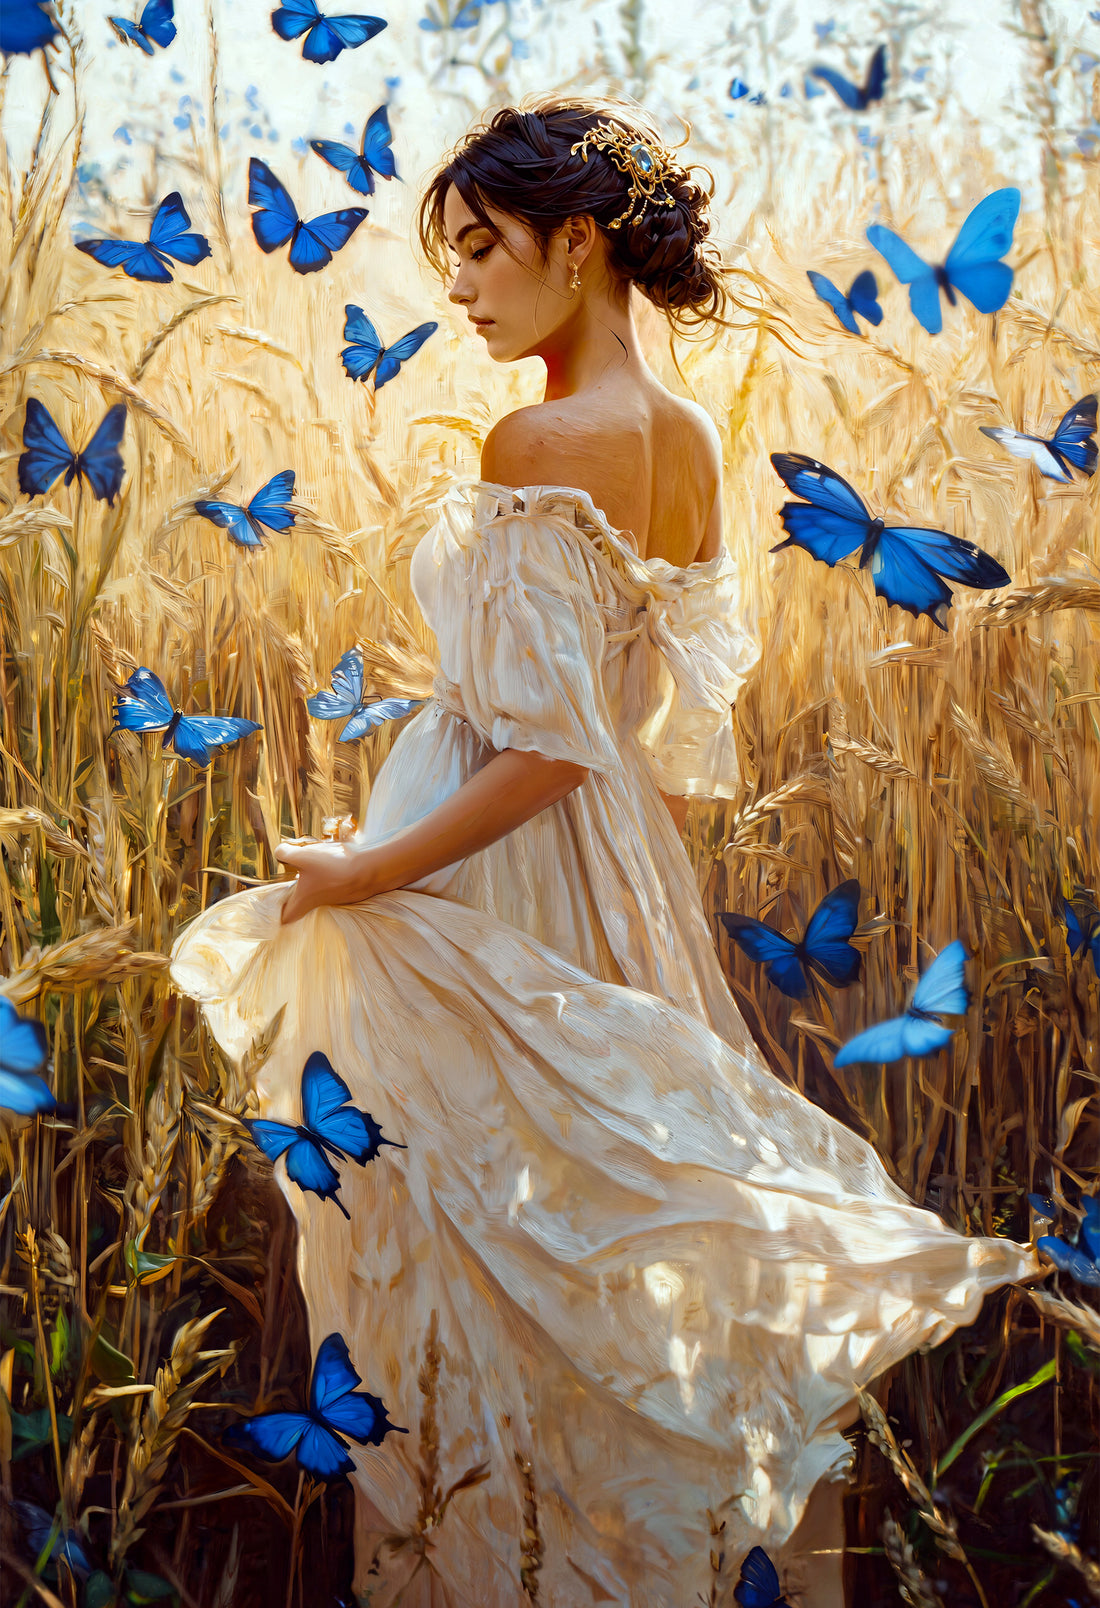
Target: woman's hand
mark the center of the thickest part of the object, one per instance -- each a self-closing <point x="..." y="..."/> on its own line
<point x="328" y="874"/>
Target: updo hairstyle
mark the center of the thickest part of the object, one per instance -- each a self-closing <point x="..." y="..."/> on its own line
<point x="521" y="163"/>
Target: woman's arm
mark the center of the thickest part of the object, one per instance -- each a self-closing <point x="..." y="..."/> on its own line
<point x="512" y="788"/>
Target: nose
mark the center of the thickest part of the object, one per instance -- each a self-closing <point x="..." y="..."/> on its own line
<point x="459" y="291"/>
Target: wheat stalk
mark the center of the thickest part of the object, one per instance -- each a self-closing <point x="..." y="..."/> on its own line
<point x="880" y="759"/>
<point x="993" y="765"/>
<point x="105" y="955"/>
<point x="939" y="1520"/>
<point x="914" y="1587"/>
<point x="1054" y="592"/>
<point x="1069" y="1553"/>
<point x="531" y="1544"/>
<point x="165" y="1413"/>
<point x="180" y="316"/>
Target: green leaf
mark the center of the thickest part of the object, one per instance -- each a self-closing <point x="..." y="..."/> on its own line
<point x="1083" y="1355"/>
<point x="59" y="1343"/>
<point x="1040" y="1377"/>
<point x="143" y="1587"/>
<point x="111" y="1366"/>
<point x="144" y="1265"/>
<point x="48" y="919"/>
<point x="99" y="1591"/>
<point x="31" y="1431"/>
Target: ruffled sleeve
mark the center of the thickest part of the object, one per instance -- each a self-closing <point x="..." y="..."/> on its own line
<point x="514" y="600"/>
<point x="683" y="671"/>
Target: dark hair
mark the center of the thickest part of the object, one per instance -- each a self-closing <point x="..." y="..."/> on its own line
<point x="521" y="163"/>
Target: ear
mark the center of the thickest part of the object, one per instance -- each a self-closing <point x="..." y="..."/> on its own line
<point x="579" y="235"/>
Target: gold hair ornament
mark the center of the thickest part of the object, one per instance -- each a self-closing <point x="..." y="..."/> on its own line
<point x="648" y="167"/>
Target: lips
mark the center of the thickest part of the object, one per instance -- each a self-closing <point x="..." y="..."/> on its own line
<point x="481" y="323"/>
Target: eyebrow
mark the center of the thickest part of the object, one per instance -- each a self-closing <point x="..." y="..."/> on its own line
<point x="464" y="231"/>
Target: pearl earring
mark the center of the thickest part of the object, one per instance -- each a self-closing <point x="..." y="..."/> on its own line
<point x="575" y="282"/>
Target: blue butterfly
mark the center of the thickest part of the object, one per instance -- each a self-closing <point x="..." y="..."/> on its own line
<point x="907" y="562"/>
<point x="739" y="90"/>
<point x="1043" y="1207"/>
<point x="325" y="37"/>
<point x="861" y="299"/>
<point x="23" y="1051"/>
<point x="268" y="507"/>
<point x="758" y="1586"/>
<point x="26" y="26"/>
<point x="367" y="352"/>
<point x="46" y="454"/>
<point x="40" y="1526"/>
<point x="374" y="152"/>
<point x="1081" y="1261"/>
<point x="336" y="1409"/>
<point x="972" y="266"/>
<point x="1072" y="443"/>
<point x="144" y="705"/>
<point x="810" y="89"/>
<point x="346" y="699"/>
<point x="148" y="259"/>
<point x="1079" y="936"/>
<point x="919" y="1031"/>
<point x="155" y="28"/>
<point x="311" y="244"/>
<point x="468" y="15"/>
<point x="823" y="947"/>
<point x="857" y="97"/>
<point x="329" y="1124"/>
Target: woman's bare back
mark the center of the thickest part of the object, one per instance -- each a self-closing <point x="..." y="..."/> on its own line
<point x="651" y="461"/>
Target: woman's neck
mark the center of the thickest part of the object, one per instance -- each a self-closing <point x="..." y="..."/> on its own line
<point x="598" y="342"/>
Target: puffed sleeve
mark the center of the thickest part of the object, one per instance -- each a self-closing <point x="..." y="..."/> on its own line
<point x="683" y="673"/>
<point x="513" y="601"/>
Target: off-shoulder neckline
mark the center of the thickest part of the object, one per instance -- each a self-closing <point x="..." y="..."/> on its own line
<point x="534" y="493"/>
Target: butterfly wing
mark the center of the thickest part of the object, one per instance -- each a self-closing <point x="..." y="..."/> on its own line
<point x="377" y="143"/>
<point x="909" y="561"/>
<point x="309" y="1168"/>
<point x="273" y="1138"/>
<point x="101" y="462"/>
<point x="322" y="1453"/>
<point x="296" y="18"/>
<point x="231" y="517"/>
<point x="883" y="1042"/>
<point x="770" y="949"/>
<point x="328" y="1114"/>
<point x="277" y="218"/>
<point x="23" y="1045"/>
<point x="130" y="33"/>
<point x="315" y="242"/>
<point x="943" y="986"/>
<point x="360" y="357"/>
<point x="268" y="506"/>
<point x="346" y="161"/>
<point x="135" y="259"/>
<point x="46" y="454"/>
<point x="834" y="298"/>
<point x="169" y="233"/>
<point x="1028" y="447"/>
<point x="1069" y="1259"/>
<point x="330" y="35"/>
<point x="826" y="943"/>
<point x="197" y="736"/>
<point x="863" y="297"/>
<point x="911" y="270"/>
<point x="24" y="1094"/>
<point x="972" y="264"/>
<point x="875" y="82"/>
<point x="376" y="714"/>
<point x="849" y="93"/>
<point x="1090" y="1227"/>
<point x="832" y="522"/>
<point x="389" y="364"/>
<point x="25" y="26"/>
<point x="157" y="23"/>
<point x="346" y="693"/>
<point x="334" y="1399"/>
<point x="143" y="704"/>
<point x="923" y="1038"/>
<point x="758" y="1586"/>
<point x="1073" y="437"/>
<point x="271" y="1435"/>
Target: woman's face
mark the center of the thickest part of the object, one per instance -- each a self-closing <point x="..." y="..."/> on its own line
<point x="517" y="302"/>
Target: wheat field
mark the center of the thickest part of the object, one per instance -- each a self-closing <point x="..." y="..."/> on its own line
<point x="146" y="1258"/>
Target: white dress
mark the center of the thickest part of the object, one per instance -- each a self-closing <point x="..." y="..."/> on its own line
<point x="656" y="1273"/>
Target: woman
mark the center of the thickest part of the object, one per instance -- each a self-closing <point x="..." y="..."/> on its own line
<point x="619" y="1270"/>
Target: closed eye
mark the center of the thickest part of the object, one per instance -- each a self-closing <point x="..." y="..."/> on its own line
<point x="483" y="251"/>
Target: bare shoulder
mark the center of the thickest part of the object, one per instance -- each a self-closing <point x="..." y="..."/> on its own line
<point x="703" y="447"/>
<point x="532" y="446"/>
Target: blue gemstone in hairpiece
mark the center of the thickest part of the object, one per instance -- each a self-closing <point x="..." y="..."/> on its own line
<point x="642" y="157"/>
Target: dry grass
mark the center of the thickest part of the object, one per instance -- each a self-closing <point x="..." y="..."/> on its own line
<point x="955" y="775"/>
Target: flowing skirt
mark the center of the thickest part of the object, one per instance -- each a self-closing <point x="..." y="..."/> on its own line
<point x="621" y="1284"/>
